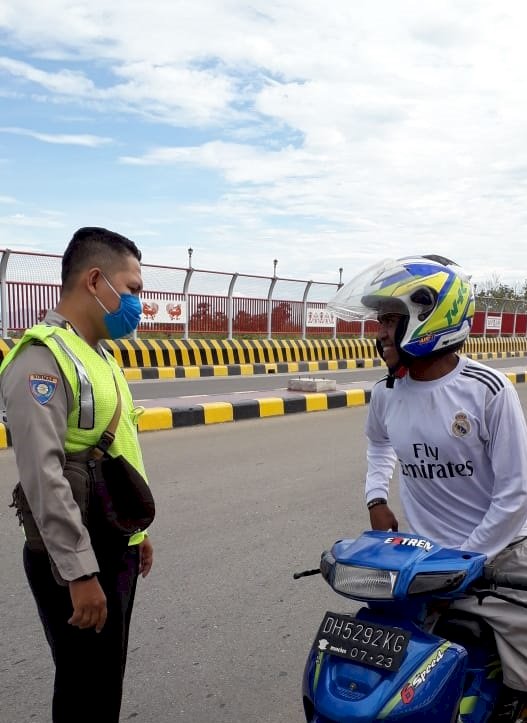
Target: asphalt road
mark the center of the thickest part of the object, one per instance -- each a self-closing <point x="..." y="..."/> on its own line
<point x="225" y="387"/>
<point x="220" y="630"/>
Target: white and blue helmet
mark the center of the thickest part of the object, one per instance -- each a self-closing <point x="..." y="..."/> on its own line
<point x="433" y="295"/>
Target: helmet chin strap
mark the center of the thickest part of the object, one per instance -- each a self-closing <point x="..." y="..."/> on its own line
<point x="399" y="370"/>
<point x="396" y="372"/>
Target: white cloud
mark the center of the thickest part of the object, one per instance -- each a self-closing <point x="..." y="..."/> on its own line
<point x="87" y="140"/>
<point x="190" y="96"/>
<point x="239" y="163"/>
<point x="168" y="93"/>
<point x="8" y="199"/>
<point x="65" y="82"/>
<point x="45" y="221"/>
<point x="346" y="131"/>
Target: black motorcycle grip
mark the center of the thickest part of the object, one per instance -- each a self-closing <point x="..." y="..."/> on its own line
<point x="513" y="580"/>
<point x="306" y="573"/>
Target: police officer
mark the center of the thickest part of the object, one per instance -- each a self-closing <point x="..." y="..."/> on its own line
<point x="60" y="390"/>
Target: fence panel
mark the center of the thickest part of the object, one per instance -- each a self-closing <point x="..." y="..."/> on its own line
<point x="507" y="324"/>
<point x="354" y="328"/>
<point x="249" y="316"/>
<point x="28" y="302"/>
<point x="478" y="324"/>
<point x="207" y="314"/>
<point x="521" y="325"/>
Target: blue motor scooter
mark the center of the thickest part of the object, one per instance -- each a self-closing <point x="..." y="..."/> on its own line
<point x="389" y="662"/>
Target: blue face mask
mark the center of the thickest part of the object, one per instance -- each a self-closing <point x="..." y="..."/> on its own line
<point x="127" y="317"/>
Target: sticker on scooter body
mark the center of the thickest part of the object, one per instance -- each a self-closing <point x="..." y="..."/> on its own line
<point x="377" y="646"/>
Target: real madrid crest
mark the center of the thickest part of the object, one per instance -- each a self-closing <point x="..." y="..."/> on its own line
<point x="461" y="425"/>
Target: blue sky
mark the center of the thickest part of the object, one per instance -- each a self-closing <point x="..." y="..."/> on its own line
<point x="323" y="135"/>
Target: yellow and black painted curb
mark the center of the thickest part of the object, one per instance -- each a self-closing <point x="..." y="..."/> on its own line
<point x="225" y="370"/>
<point x="134" y="353"/>
<point x="134" y="374"/>
<point x="242" y="355"/>
<point x="239" y="352"/>
<point x="216" y="412"/>
<point x="162" y="418"/>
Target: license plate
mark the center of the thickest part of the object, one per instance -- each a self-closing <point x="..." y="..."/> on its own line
<point x="378" y="646"/>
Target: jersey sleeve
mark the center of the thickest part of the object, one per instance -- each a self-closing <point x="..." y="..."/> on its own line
<point x="37" y="400"/>
<point x="380" y="454"/>
<point x="507" y="451"/>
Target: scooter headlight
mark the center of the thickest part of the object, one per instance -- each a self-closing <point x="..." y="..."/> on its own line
<point x="364" y="582"/>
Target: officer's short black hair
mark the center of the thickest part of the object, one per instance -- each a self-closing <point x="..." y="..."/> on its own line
<point x="94" y="246"/>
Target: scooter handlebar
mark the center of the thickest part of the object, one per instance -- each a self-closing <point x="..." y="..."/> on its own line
<point x="306" y="573"/>
<point x="513" y="580"/>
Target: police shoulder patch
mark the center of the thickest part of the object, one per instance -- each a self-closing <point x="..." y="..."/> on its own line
<point x="42" y="387"/>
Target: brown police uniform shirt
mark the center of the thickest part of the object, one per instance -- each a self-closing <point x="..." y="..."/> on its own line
<point x="37" y="417"/>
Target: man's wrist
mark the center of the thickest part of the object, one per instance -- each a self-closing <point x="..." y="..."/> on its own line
<point x="375" y="502"/>
<point x="84" y="578"/>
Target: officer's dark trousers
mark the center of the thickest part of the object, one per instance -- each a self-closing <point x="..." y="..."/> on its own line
<point x="89" y="666"/>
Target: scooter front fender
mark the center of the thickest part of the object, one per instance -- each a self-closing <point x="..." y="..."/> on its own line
<point x="428" y="686"/>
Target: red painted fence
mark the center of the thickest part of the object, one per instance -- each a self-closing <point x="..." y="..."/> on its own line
<point x="207" y="314"/>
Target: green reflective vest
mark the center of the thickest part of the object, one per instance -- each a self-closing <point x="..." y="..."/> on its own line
<point x="92" y="378"/>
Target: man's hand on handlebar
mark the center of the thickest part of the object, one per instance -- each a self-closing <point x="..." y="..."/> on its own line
<point x="382" y="518"/>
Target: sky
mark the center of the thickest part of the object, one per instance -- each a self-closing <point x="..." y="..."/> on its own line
<point x="322" y="135"/>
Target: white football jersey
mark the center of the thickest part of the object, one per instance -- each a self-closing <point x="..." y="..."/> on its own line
<point x="461" y="445"/>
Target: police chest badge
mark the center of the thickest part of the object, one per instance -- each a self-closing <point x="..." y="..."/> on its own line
<point x="461" y="425"/>
<point x="42" y="387"/>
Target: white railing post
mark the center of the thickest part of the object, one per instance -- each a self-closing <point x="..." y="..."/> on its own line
<point x="3" y="294"/>
<point x="230" y="305"/>
<point x="486" y="317"/>
<point x="339" y="286"/>
<point x="186" y="325"/>
<point x="304" y="309"/>
<point x="270" y="307"/>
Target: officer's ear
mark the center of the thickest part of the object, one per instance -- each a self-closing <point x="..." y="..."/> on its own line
<point x="93" y="279"/>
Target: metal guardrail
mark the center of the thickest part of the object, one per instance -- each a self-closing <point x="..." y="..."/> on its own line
<point x="216" y="301"/>
<point x="219" y="302"/>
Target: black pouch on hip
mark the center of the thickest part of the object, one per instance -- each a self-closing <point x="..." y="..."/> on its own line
<point x="121" y="494"/>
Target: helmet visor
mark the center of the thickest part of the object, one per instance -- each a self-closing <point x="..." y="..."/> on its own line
<point x="369" y="294"/>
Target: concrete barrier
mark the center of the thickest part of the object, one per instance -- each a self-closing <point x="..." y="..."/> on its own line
<point x="211" y="357"/>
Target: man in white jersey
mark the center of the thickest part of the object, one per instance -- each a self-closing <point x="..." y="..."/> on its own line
<point x="457" y="431"/>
